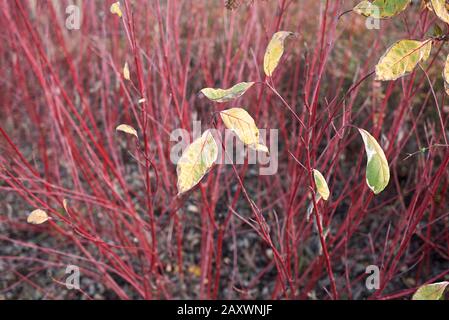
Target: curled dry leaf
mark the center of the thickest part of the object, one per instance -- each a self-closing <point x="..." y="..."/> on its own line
<point x="321" y="184"/>
<point x="377" y="171"/>
<point x="37" y="216"/>
<point x="433" y="291"/>
<point x="65" y="205"/>
<point x="381" y="9"/>
<point x="224" y="95"/>
<point x="243" y="125"/>
<point x="115" y="9"/>
<point x="127" y="129"/>
<point x="274" y="51"/>
<point x="401" y="58"/>
<point x="126" y="74"/>
<point x="196" y="161"/>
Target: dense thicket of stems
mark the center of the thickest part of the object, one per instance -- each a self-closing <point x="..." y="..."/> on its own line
<point x="238" y="234"/>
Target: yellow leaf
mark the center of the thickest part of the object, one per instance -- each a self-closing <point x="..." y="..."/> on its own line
<point x="440" y="9"/>
<point x="446" y="75"/>
<point x="196" y="161"/>
<point x="126" y="71"/>
<point x="401" y="58"/>
<point x="433" y="291"/>
<point x="377" y="171"/>
<point x="195" y="270"/>
<point x="224" y="95"/>
<point x="381" y="9"/>
<point x="243" y="125"/>
<point x="321" y="184"/>
<point x="127" y="129"/>
<point x="115" y="9"/>
<point x="274" y="51"/>
<point x="38" y="216"/>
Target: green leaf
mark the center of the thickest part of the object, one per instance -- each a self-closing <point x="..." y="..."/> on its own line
<point x="274" y="51"/>
<point x="224" y="95"/>
<point x="321" y="184"/>
<point x="401" y="58"/>
<point x="381" y="8"/>
<point x="196" y="161"/>
<point x="377" y="171"/>
<point x="440" y="9"/>
<point x="434" y="291"/>
<point x="243" y="125"/>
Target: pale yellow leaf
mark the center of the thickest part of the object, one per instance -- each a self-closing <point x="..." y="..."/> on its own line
<point x="243" y="125"/>
<point x="441" y="10"/>
<point x="37" y="216"/>
<point x="433" y="291"/>
<point x="115" y="9"/>
<point x="401" y="58"/>
<point x="127" y="129"/>
<point x="274" y="51"/>
<point x="321" y="184"/>
<point x="224" y="95"/>
<point x="196" y="161"/>
<point x="377" y="170"/>
<point x="126" y="74"/>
